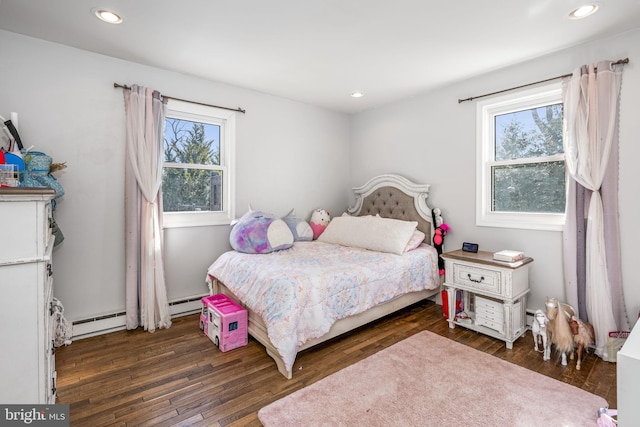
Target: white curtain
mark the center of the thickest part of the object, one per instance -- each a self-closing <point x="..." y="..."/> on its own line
<point x="590" y="98"/>
<point x="146" y="295"/>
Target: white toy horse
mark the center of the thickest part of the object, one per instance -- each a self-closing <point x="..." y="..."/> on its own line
<point x="539" y="331"/>
<point x="559" y="315"/>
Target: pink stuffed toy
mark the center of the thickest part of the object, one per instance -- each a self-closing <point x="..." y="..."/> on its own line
<point x="319" y="220"/>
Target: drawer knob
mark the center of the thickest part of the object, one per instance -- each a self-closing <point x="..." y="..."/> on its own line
<point x="475" y="280"/>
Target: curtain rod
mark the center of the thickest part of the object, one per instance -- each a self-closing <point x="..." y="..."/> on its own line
<point x="460" y="101"/>
<point x="240" y="110"/>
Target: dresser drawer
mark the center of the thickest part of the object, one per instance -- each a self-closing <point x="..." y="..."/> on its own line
<point x="26" y="230"/>
<point x="473" y="277"/>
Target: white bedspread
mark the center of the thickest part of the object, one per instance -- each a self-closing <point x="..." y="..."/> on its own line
<point x="300" y="292"/>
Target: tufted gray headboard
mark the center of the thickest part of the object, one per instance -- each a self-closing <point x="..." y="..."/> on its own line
<point x="393" y="196"/>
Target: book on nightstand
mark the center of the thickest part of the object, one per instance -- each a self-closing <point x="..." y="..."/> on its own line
<point x="508" y="256"/>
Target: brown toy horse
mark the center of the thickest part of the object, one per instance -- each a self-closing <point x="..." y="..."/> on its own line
<point x="583" y="336"/>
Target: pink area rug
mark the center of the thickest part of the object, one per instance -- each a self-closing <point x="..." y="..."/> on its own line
<point x="429" y="380"/>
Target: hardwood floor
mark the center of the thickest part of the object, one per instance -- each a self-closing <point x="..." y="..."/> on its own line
<point x="176" y="377"/>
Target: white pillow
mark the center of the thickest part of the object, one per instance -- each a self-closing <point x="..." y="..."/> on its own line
<point x="370" y="232"/>
<point x="415" y="241"/>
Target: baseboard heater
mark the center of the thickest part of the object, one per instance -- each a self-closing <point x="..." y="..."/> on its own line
<point x="98" y="325"/>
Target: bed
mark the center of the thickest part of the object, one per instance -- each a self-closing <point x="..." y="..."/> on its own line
<point x="316" y="290"/>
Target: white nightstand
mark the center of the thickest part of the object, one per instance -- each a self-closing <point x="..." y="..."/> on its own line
<point x="494" y="293"/>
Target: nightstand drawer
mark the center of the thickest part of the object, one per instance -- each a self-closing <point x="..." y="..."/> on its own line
<point x="495" y="316"/>
<point x="477" y="278"/>
<point x="496" y="326"/>
<point x="498" y="316"/>
<point x="488" y="305"/>
<point x="489" y="313"/>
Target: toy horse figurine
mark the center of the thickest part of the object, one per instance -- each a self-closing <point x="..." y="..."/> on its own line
<point x="561" y="335"/>
<point x="583" y="336"/>
<point x="539" y="331"/>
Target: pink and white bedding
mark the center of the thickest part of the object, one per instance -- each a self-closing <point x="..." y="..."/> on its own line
<point x="300" y="292"/>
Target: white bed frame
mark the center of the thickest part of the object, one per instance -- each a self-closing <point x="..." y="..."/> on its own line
<point x="368" y="201"/>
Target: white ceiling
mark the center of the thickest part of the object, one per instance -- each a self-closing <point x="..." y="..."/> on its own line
<point x="318" y="52"/>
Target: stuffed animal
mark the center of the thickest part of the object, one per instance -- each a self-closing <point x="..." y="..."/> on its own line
<point x="300" y="228"/>
<point x="319" y="220"/>
<point x="440" y="231"/>
<point x="258" y="232"/>
<point x="436" y="214"/>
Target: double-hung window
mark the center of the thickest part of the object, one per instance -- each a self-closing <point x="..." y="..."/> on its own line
<point x="198" y="168"/>
<point x="520" y="160"/>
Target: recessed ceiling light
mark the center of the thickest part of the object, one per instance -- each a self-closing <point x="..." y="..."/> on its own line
<point x="357" y="94"/>
<point x="583" y="11"/>
<point x="107" y="16"/>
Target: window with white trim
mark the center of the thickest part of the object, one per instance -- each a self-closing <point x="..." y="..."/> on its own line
<point x="198" y="168"/>
<point x="520" y="169"/>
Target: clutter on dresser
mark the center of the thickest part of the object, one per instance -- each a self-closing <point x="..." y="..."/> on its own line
<point x="11" y="161"/>
<point x="25" y="167"/>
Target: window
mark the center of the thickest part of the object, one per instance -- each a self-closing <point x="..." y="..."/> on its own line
<point x="520" y="160"/>
<point x="197" y="174"/>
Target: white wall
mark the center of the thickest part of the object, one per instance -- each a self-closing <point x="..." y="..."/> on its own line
<point x="289" y="155"/>
<point x="431" y="138"/>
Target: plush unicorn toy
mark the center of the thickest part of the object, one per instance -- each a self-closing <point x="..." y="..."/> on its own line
<point x="258" y="232"/>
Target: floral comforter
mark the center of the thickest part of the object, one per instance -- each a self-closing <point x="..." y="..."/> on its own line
<point x="300" y="292"/>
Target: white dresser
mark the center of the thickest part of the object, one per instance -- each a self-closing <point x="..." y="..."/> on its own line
<point x="494" y="294"/>
<point x="27" y="361"/>
<point x="628" y="376"/>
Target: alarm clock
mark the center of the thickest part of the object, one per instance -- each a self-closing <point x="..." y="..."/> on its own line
<point x="470" y="247"/>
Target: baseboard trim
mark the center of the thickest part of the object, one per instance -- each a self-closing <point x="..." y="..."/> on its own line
<point x="99" y="325"/>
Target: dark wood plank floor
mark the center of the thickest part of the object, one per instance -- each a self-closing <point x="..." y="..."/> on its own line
<point x="176" y="377"/>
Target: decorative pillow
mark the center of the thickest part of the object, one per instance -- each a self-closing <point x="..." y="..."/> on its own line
<point x="416" y="240"/>
<point x="257" y="232"/>
<point x="370" y="232"/>
<point x="300" y="228"/>
<point x="319" y="220"/>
